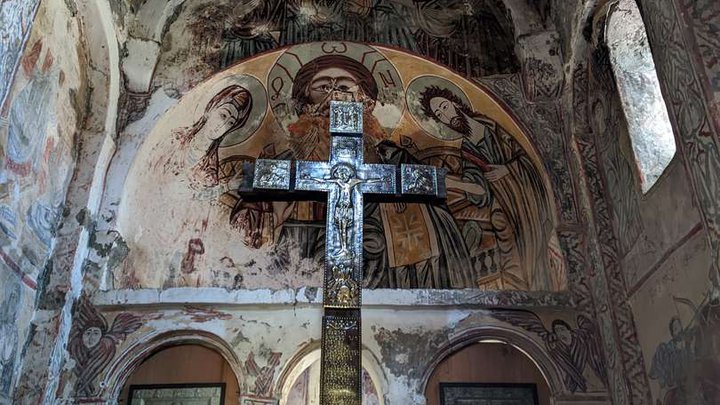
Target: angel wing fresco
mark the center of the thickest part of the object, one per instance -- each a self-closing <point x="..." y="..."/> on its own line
<point x="560" y="344"/>
<point x="263" y="375"/>
<point x="93" y="345"/>
<point x="586" y="349"/>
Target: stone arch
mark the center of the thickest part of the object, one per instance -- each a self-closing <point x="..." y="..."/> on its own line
<point x="520" y="340"/>
<point x="310" y="353"/>
<point x="130" y="359"/>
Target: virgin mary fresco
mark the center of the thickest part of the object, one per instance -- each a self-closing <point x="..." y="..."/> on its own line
<point x="197" y="154"/>
<point x="211" y="176"/>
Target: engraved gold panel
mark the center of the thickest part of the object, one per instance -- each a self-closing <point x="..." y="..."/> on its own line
<point x="340" y="380"/>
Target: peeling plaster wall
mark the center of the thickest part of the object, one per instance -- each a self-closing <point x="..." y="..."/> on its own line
<point x="16" y="19"/>
<point x="44" y="113"/>
<point x="405" y="339"/>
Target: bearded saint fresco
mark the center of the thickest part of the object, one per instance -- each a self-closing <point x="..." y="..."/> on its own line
<point x="501" y="184"/>
<point x="404" y="243"/>
<point x="493" y="233"/>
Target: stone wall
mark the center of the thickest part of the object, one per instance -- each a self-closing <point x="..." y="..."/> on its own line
<point x="44" y="113"/>
<point x="677" y="292"/>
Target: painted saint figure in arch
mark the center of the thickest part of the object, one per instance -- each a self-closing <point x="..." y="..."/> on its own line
<point x="211" y="176"/>
<point x="510" y="188"/>
<point x="326" y="78"/>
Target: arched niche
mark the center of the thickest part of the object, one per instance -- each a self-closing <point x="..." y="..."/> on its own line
<point x="119" y="372"/>
<point x="189" y="371"/>
<point x="181" y="215"/>
<point x="303" y="369"/>
<point x="511" y="369"/>
<point x="534" y="352"/>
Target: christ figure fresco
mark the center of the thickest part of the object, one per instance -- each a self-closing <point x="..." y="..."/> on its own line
<point x="404" y="244"/>
<point x="326" y="78"/>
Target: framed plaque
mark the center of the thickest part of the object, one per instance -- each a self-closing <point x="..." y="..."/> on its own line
<point x="177" y="394"/>
<point x="488" y="394"/>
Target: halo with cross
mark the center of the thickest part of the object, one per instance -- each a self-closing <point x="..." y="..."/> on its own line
<point x="366" y="67"/>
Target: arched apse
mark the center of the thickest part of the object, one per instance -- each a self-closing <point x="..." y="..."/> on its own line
<point x="197" y="150"/>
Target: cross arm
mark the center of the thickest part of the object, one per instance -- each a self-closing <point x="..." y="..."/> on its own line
<point x="422" y="180"/>
<point x="267" y="175"/>
<point x="312" y="176"/>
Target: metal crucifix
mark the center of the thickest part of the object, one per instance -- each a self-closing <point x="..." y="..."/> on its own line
<point x="345" y="178"/>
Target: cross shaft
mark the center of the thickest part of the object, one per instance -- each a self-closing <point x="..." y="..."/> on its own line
<point x="346" y="179"/>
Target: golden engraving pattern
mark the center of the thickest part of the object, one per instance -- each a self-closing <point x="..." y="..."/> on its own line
<point x="340" y="383"/>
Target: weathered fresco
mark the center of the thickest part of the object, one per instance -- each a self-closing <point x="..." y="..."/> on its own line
<point x="574" y="350"/>
<point x="674" y="269"/>
<point x="637" y="265"/>
<point x="687" y="366"/>
<point x="475" y="38"/>
<point x="43" y="113"/>
<point x="93" y="343"/>
<point x="268" y="353"/>
<point x="16" y="19"/>
<point x="15" y="298"/>
<point x="498" y="223"/>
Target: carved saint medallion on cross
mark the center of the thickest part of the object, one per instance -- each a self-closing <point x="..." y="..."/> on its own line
<point x="346" y="179"/>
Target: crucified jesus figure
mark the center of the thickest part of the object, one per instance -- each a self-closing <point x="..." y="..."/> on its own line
<point x="344" y="177"/>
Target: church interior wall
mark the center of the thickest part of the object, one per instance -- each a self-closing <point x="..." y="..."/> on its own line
<point x="39" y="128"/>
<point x="665" y="258"/>
<point x="404" y="340"/>
<point x="661" y="259"/>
